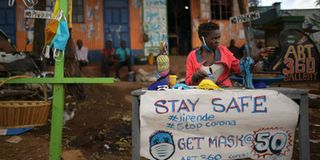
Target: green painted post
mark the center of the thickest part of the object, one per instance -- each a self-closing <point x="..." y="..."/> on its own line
<point x="57" y="111"/>
<point x="64" y="7"/>
<point x="58" y="101"/>
<point x="57" y="124"/>
<point x="58" y="95"/>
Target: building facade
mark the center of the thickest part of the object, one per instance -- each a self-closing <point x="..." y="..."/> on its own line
<point x="142" y="23"/>
<point x="274" y="20"/>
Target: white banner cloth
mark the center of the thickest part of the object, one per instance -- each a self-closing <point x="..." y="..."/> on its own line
<point x="212" y="125"/>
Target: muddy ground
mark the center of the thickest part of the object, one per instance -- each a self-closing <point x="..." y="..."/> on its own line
<point x="101" y="128"/>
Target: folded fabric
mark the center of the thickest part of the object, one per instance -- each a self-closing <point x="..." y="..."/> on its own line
<point x="246" y="67"/>
<point x="207" y="84"/>
<point x="260" y="85"/>
<point x="161" y="84"/>
<point x="181" y="86"/>
<point x="163" y="63"/>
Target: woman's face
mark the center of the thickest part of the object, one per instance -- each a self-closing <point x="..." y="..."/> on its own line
<point x="213" y="39"/>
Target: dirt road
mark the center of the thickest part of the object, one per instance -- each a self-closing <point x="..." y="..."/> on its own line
<point x="101" y="128"/>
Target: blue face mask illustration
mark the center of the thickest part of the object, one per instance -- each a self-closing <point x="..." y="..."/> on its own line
<point x="205" y="45"/>
<point x="161" y="145"/>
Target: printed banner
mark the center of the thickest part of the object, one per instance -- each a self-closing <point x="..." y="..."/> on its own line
<point x="215" y="125"/>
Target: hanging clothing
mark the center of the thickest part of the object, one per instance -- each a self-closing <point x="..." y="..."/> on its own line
<point x="82" y="54"/>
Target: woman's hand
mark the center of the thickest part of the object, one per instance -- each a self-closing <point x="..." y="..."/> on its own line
<point x="265" y="52"/>
<point x="199" y="75"/>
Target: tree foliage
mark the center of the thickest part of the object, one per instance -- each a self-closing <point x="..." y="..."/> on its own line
<point x="315" y="20"/>
<point x="254" y="3"/>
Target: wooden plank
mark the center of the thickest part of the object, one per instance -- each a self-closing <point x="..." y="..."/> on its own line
<point x="69" y="80"/>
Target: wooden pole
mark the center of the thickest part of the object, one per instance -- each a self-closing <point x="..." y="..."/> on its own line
<point x="58" y="101"/>
<point x="248" y="31"/>
<point x="57" y="113"/>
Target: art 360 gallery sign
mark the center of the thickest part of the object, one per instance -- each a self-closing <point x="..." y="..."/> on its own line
<point x="299" y="57"/>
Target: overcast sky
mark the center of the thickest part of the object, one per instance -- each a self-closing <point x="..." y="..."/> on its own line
<point x="291" y="4"/>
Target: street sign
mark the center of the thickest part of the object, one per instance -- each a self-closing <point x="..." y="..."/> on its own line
<point x="245" y="17"/>
<point x="38" y="14"/>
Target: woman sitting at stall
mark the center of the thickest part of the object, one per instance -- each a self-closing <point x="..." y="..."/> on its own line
<point x="211" y="60"/>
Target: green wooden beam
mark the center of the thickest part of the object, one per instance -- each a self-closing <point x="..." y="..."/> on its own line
<point x="64" y="7"/>
<point x="56" y="123"/>
<point x="57" y="109"/>
<point x="58" y="80"/>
